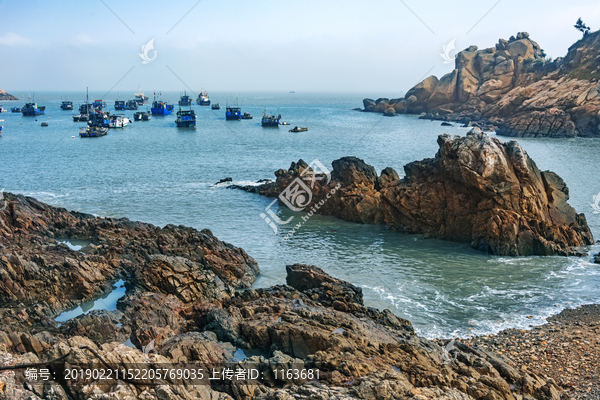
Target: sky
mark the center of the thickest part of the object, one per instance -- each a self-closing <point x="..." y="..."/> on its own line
<point x="382" y="47"/>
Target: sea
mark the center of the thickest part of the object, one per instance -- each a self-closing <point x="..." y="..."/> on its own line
<point x="154" y="172"/>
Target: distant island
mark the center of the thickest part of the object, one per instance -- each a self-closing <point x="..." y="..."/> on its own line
<point x="512" y="88"/>
<point x="6" y="96"/>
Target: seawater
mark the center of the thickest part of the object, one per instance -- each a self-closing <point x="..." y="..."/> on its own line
<point x="153" y="172"/>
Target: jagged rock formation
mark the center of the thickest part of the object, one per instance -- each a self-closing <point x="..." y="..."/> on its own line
<point x="314" y="321"/>
<point x="6" y="96"/>
<point x="513" y="89"/>
<point x="476" y="190"/>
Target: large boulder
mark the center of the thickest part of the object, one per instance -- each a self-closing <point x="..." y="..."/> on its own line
<point x="445" y="91"/>
<point x="476" y="190"/>
<point x="521" y="48"/>
<point x="423" y="90"/>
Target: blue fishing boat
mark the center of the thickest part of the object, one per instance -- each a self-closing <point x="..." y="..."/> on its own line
<point x="66" y="105"/>
<point x="99" y="118"/>
<point x="203" y="98"/>
<point x="32" y="110"/>
<point x="119" y="105"/>
<point x="233" y="113"/>
<point x="186" y="118"/>
<point x="160" y="107"/>
<point x="99" y="104"/>
<point x="92" y="131"/>
<point x="270" y="120"/>
<point x="185" y="100"/>
<point x="131" y="105"/>
<point x="15" y="110"/>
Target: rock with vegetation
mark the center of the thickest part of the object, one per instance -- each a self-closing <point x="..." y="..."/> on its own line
<point x="514" y="89"/>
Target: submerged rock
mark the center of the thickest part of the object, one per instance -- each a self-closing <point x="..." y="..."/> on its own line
<point x="476" y="190"/>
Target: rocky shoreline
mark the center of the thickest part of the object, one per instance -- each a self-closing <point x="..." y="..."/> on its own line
<point x="476" y="190"/>
<point x="513" y="89"/>
<point x="6" y="96"/>
<point x="566" y="349"/>
<point x="188" y="301"/>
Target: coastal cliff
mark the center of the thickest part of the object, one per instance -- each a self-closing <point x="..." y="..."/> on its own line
<point x="183" y="305"/>
<point x="6" y="96"/>
<point x="476" y="190"/>
<point x="513" y="89"/>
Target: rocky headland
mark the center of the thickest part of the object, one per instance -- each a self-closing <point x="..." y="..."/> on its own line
<point x="476" y="190"/>
<point x="6" y="96"/>
<point x="188" y="300"/>
<point x="514" y="89"/>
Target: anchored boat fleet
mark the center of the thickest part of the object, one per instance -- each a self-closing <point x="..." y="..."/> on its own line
<point x="98" y="121"/>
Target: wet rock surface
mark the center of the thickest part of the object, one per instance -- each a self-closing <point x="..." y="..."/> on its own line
<point x="566" y="349"/>
<point x="197" y="312"/>
<point x="476" y="190"/>
<point x="512" y="89"/>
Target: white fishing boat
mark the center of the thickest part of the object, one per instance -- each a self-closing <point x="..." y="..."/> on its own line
<point x="118" y="121"/>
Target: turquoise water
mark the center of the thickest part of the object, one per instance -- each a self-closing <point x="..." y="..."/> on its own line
<point x="154" y="172"/>
<point x="107" y="302"/>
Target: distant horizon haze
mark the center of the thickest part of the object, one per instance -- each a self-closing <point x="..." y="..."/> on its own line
<point x="268" y="46"/>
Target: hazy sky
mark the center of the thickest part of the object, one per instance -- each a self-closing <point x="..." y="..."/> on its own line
<point x="379" y="47"/>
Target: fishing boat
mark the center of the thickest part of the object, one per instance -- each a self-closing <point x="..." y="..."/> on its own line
<point x="99" y="118"/>
<point x="119" y="105"/>
<point x="203" y="98"/>
<point x="142" y="116"/>
<point x="160" y="107"/>
<point x="186" y="118"/>
<point x="233" y="113"/>
<point x="44" y="124"/>
<point x="32" y="110"/>
<point x="15" y="110"/>
<point x="247" y="115"/>
<point x="92" y="131"/>
<point x="185" y="100"/>
<point x="84" y="110"/>
<point x="297" y="129"/>
<point x="99" y="104"/>
<point x="81" y="118"/>
<point x="216" y="106"/>
<point x="118" y="121"/>
<point x="270" y="120"/>
<point x="3" y="109"/>
<point x="66" y="105"/>
<point x="140" y="98"/>
<point x="131" y="105"/>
